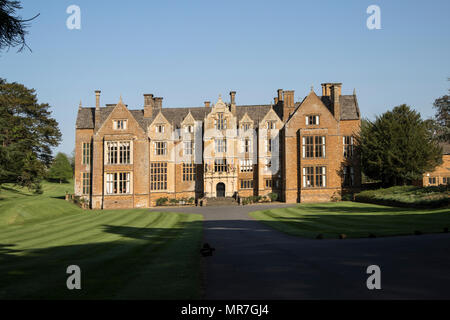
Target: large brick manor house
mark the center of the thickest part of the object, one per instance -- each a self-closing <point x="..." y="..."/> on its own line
<point x="303" y="151"/>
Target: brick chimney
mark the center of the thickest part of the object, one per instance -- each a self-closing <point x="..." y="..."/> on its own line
<point x="288" y="103"/>
<point x="333" y="91"/>
<point x="158" y="103"/>
<point x="326" y="89"/>
<point x="233" y="102"/>
<point x="335" y="97"/>
<point x="97" y="109"/>
<point x="280" y="95"/>
<point x="207" y="104"/>
<point x="148" y="105"/>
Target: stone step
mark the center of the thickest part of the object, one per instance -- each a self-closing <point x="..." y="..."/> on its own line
<point x="228" y="201"/>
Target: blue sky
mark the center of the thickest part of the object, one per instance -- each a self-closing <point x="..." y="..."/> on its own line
<point x="192" y="51"/>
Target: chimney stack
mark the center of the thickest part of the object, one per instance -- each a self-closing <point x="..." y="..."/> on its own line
<point x="97" y="109"/>
<point x="148" y="105"/>
<point x="288" y="103"/>
<point x="326" y="89"/>
<point x="207" y="104"/>
<point x="233" y="101"/>
<point x="233" y="97"/>
<point x="280" y="95"/>
<point x="335" y="97"/>
<point x="158" y="103"/>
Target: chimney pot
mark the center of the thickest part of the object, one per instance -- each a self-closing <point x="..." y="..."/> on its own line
<point x="207" y="104"/>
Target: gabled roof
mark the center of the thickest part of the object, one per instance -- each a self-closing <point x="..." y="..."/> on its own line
<point x="349" y="106"/>
<point x="85" y="119"/>
<point x="175" y="116"/>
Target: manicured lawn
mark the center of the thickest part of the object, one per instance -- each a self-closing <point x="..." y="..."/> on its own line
<point x="356" y="220"/>
<point x="122" y="253"/>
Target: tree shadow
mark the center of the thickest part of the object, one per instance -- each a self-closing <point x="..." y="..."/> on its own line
<point x="13" y="190"/>
<point x="145" y="263"/>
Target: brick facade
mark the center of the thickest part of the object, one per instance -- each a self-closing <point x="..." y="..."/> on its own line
<point x="129" y="158"/>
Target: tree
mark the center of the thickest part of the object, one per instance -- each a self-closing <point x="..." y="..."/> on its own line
<point x="72" y="160"/>
<point x="27" y="134"/>
<point x="12" y="27"/>
<point x="442" y="117"/>
<point x="61" y="170"/>
<point x="398" y="147"/>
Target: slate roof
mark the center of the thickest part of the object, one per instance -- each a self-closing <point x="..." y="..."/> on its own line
<point x="349" y="106"/>
<point x="175" y="116"/>
<point x="85" y="119"/>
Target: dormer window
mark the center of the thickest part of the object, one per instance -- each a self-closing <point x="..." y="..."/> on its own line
<point x="189" y="129"/>
<point x="120" y="124"/>
<point x="160" y="128"/>
<point x="312" y="120"/>
<point x="245" y="126"/>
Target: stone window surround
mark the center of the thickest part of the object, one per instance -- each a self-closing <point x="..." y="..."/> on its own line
<point x="128" y="182"/>
<point x="106" y="151"/>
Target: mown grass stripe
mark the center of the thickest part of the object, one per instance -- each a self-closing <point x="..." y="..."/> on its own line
<point x="46" y="236"/>
<point x="106" y="254"/>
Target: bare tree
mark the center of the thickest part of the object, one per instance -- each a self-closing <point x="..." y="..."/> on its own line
<point x="12" y="27"/>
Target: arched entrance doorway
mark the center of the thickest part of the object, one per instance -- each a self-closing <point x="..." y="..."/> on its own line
<point x="220" y="190"/>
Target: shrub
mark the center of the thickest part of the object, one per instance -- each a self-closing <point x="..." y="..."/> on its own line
<point x="411" y="196"/>
<point x="173" y="201"/>
<point x="336" y="197"/>
<point x="273" y="196"/>
<point x="161" y="201"/>
<point x="347" y="197"/>
<point x="191" y="200"/>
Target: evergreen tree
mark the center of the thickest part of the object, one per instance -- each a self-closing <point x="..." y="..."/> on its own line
<point x="442" y="117"/>
<point x="27" y="134"/>
<point x="61" y="170"/>
<point x="398" y="147"/>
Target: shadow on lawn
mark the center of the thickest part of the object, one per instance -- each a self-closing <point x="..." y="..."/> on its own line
<point x="164" y="263"/>
<point x="144" y="266"/>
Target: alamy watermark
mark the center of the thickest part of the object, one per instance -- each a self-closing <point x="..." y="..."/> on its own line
<point x="374" y="20"/>
<point x="74" y="280"/>
<point x="74" y="20"/>
<point x="374" y="280"/>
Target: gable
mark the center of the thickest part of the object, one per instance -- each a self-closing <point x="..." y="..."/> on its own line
<point x="311" y="105"/>
<point x="119" y="112"/>
<point x="271" y="115"/>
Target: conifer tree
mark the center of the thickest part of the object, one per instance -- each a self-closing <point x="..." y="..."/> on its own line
<point x="27" y="134"/>
<point x="398" y="147"/>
